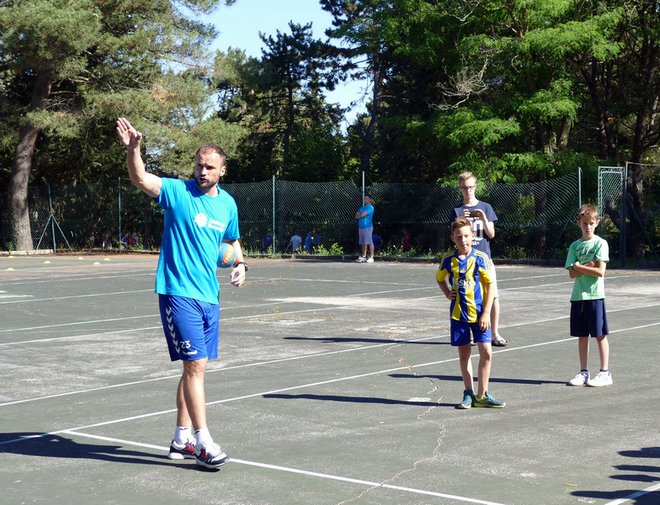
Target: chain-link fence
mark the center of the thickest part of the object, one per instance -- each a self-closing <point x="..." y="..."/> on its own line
<point x="535" y="219"/>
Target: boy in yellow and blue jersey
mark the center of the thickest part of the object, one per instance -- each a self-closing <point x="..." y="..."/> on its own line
<point x="464" y="277"/>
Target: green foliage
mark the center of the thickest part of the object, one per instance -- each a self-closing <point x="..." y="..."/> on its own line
<point x="334" y="250"/>
<point x="483" y="133"/>
<point x="279" y="98"/>
<point x="50" y="35"/>
<point x="550" y="105"/>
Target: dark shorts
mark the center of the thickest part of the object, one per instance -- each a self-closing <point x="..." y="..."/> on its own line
<point x="460" y="333"/>
<point x="589" y="318"/>
<point x="191" y="327"/>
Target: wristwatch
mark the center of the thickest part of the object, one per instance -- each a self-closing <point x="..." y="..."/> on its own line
<point x="244" y="264"/>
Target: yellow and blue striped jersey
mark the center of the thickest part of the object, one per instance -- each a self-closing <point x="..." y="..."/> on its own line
<point x="468" y="277"/>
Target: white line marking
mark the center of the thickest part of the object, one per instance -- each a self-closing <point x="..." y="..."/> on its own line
<point x="224" y="369"/>
<point x="297" y="471"/>
<point x="301" y="386"/>
<point x="89" y="295"/>
<point x="314" y="355"/>
<point x="77" y="323"/>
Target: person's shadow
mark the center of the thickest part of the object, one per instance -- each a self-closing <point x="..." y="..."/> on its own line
<point x="58" y="446"/>
<point x="358" y="399"/>
<point x="340" y="340"/>
<point x="640" y="473"/>
<point x="458" y="378"/>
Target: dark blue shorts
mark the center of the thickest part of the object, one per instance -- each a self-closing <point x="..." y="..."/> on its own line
<point x="460" y="333"/>
<point x="589" y="318"/>
<point x="191" y="327"/>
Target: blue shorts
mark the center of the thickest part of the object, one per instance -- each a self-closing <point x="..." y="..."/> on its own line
<point x="588" y="317"/>
<point x="191" y="327"/>
<point x="460" y="333"/>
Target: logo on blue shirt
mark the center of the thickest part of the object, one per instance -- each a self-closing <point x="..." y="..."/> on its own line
<point x="203" y="221"/>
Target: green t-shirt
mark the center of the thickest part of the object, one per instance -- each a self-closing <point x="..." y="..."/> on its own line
<point x="588" y="287"/>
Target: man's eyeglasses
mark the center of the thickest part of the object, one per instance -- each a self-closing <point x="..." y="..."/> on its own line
<point x="467" y="187"/>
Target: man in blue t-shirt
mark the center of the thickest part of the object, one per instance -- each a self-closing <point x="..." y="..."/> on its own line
<point x="365" y="219"/>
<point x="482" y="217"/>
<point x="199" y="216"/>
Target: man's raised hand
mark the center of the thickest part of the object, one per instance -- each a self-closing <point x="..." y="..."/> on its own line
<point x="128" y="135"/>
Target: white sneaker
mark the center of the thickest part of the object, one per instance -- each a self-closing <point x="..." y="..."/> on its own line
<point x="210" y="455"/>
<point x="579" y="380"/>
<point x="370" y="260"/>
<point x="602" y="379"/>
<point x="361" y="259"/>
<point x="185" y="450"/>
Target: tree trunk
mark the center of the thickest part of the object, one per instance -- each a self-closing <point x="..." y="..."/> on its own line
<point x="565" y="135"/>
<point x="20" y="176"/>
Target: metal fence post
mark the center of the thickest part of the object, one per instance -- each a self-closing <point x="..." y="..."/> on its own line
<point x="119" y="213"/>
<point x="624" y="215"/>
<point x="579" y="187"/>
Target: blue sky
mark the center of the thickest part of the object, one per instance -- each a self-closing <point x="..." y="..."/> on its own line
<point x="239" y="26"/>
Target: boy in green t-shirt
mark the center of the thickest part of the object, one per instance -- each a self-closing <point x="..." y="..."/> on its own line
<point x="586" y="263"/>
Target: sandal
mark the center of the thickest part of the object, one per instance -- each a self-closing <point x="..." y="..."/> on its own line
<point x="500" y="342"/>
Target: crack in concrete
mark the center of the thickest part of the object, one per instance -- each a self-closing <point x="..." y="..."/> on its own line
<point x="421" y="417"/>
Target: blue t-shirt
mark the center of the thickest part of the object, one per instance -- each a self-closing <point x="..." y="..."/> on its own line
<point x="195" y="225"/>
<point x="366" y="221"/>
<point x="480" y="242"/>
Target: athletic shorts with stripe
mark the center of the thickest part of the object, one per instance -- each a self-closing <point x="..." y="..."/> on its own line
<point x="191" y="327"/>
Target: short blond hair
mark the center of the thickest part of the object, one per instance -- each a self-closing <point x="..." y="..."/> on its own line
<point x="465" y="176"/>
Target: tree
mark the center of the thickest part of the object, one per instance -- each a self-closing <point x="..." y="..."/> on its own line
<point x="43" y="42"/>
<point x="362" y="25"/>
<point x="281" y="99"/>
<point x="70" y="66"/>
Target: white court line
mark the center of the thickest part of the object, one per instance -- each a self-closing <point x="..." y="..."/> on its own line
<point x="570" y="281"/>
<point x="394" y="342"/>
<point x="77" y="323"/>
<point x="257" y="305"/>
<point x="223" y="369"/>
<point x="354" y="295"/>
<point x="634" y="495"/>
<point x="303" y="386"/>
<point x="416" y="287"/>
<point x="68" y="297"/>
<point x="307" y="473"/>
<point x="132" y="274"/>
<point x="281" y="390"/>
<point x="76" y="430"/>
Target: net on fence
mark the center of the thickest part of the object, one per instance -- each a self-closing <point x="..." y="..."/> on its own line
<point x="535" y="220"/>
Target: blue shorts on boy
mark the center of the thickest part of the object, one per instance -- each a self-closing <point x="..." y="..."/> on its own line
<point x="191" y="327"/>
<point x="588" y="318"/>
<point x="460" y="333"/>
